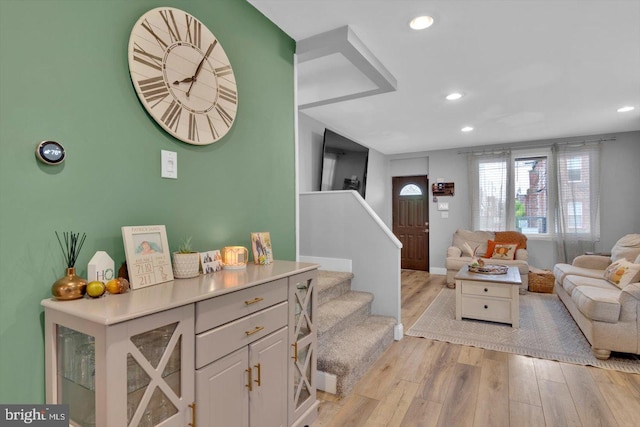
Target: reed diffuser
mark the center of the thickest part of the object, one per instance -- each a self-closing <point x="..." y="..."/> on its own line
<point x="70" y="286"/>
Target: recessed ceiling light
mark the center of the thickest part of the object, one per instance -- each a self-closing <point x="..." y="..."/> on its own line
<point x="421" y="22"/>
<point x="466" y="129"/>
<point x="453" y="96"/>
<point x="625" y="109"/>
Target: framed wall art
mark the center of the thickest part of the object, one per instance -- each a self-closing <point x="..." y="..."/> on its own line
<point x="148" y="255"/>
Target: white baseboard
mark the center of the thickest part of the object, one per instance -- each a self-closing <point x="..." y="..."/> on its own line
<point x="398" y="331"/>
<point x="438" y="270"/>
<point x="331" y="264"/>
<point x="327" y="382"/>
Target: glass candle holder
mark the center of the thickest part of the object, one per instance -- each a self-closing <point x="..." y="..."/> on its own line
<point x="234" y="257"/>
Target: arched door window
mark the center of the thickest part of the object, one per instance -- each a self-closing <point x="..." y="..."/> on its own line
<point x="410" y="190"/>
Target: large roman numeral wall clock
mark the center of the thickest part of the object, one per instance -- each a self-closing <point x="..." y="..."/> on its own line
<point x="182" y="76"/>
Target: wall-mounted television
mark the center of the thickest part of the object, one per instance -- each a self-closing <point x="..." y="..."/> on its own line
<point x="344" y="164"/>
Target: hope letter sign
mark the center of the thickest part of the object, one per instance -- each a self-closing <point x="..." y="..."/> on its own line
<point x="100" y="268"/>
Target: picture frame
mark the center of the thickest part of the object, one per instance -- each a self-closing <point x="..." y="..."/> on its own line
<point x="261" y="248"/>
<point x="148" y="255"/>
<point x="211" y="261"/>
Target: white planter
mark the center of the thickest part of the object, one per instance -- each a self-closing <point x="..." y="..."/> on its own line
<point x="186" y="265"/>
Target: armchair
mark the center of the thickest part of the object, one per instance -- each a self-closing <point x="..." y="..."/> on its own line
<point x="458" y="256"/>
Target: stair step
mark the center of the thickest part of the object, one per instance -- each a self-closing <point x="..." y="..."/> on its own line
<point x="349" y="353"/>
<point x="342" y="312"/>
<point x="332" y="284"/>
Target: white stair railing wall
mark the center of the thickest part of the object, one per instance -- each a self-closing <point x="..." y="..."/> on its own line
<point x="340" y="226"/>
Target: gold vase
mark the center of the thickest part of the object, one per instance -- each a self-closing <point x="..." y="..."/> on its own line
<point x="69" y="287"/>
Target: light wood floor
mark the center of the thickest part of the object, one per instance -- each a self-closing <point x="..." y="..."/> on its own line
<point x="421" y="382"/>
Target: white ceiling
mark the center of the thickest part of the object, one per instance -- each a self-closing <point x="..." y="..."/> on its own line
<point x="529" y="69"/>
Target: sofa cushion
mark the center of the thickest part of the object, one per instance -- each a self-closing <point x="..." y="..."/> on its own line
<point x="561" y="270"/>
<point x="571" y="282"/>
<point x="622" y="272"/>
<point x="473" y="238"/>
<point x="597" y="303"/>
<point x="627" y="247"/>
<point x="512" y="237"/>
<point x="504" y="251"/>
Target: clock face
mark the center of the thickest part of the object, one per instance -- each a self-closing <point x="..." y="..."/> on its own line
<point x="182" y="76"/>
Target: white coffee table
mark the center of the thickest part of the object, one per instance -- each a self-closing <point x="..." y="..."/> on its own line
<point x="493" y="297"/>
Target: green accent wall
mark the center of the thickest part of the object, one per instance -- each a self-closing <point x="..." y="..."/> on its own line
<point x="64" y="76"/>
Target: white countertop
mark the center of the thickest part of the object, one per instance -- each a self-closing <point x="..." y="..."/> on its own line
<point x="110" y="309"/>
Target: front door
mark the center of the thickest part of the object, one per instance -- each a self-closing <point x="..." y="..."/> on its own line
<point x="411" y="220"/>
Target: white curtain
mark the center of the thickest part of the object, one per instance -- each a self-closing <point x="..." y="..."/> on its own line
<point x="576" y="196"/>
<point x="489" y="184"/>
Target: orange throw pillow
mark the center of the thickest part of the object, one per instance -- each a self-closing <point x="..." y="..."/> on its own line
<point x="491" y="245"/>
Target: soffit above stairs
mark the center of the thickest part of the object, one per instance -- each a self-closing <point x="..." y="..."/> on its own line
<point x="336" y="66"/>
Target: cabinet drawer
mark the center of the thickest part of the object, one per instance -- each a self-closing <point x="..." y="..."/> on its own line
<point x="214" y="344"/>
<point x="225" y="308"/>
<point x="485" y="289"/>
<point x="497" y="310"/>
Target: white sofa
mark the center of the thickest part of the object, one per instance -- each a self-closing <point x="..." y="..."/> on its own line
<point x="458" y="256"/>
<point x="607" y="313"/>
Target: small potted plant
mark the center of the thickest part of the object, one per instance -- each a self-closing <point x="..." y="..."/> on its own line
<point x="70" y="286"/>
<point x="186" y="261"/>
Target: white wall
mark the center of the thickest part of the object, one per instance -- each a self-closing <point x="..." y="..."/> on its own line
<point x="620" y="189"/>
<point x="339" y="224"/>
<point x="417" y="164"/>
<point x="310" y="139"/>
<point x="620" y="204"/>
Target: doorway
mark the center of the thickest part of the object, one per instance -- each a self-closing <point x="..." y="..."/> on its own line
<point x="411" y="220"/>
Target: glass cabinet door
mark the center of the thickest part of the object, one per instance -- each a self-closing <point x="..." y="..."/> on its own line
<point x="76" y="374"/>
<point x="153" y="351"/>
<point x="303" y="372"/>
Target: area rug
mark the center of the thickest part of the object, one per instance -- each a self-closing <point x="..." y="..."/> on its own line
<point x="546" y="331"/>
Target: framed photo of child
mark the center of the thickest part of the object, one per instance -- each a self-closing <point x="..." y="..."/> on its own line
<point x="148" y="255"/>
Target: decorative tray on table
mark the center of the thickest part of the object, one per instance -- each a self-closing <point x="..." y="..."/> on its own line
<point x="489" y="269"/>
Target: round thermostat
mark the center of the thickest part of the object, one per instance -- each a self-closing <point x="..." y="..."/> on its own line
<point x="50" y="152"/>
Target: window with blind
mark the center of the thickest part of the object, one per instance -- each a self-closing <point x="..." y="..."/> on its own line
<point x="531" y="194"/>
<point x="511" y="190"/>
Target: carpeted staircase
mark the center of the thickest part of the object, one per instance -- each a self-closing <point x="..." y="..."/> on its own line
<point x="350" y="339"/>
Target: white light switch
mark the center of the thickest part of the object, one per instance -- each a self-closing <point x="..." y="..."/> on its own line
<point x="169" y="164"/>
<point x="444" y="214"/>
<point x="443" y="206"/>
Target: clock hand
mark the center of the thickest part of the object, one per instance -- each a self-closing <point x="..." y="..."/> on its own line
<point x="187" y="80"/>
<point x="195" y="75"/>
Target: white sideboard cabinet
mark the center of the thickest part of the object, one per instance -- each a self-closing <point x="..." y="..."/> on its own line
<point x="236" y="347"/>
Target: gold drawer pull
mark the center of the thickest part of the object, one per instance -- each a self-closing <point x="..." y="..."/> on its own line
<point x="259" y="375"/>
<point x="257" y="329"/>
<point x="253" y="301"/>
<point x="295" y="351"/>
<point x="193" y="414"/>
<point x="249" y="384"/>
